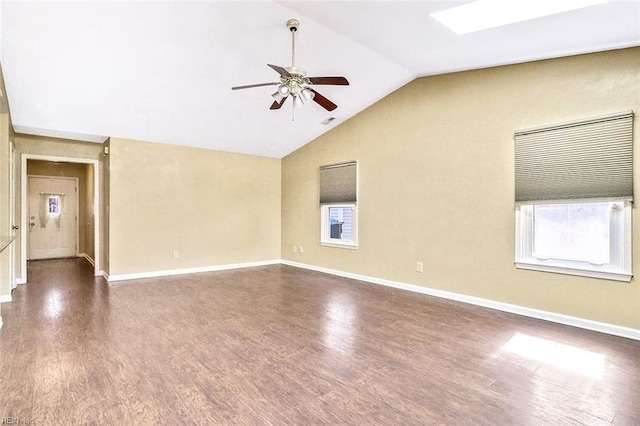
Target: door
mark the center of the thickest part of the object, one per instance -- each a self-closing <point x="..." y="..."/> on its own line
<point x="53" y="213"/>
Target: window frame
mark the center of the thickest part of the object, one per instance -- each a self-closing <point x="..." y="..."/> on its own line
<point x="325" y="227"/>
<point x="620" y="266"/>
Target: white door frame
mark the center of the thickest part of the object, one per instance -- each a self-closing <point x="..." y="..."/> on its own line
<point x="77" y="214"/>
<point x="12" y="212"/>
<point x="25" y="207"/>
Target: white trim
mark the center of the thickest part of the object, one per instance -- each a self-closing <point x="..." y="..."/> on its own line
<point x="24" y="206"/>
<point x="21" y="281"/>
<point x="340" y="245"/>
<point x="103" y="274"/>
<point x="570" y="271"/>
<point x="89" y="259"/>
<point x="169" y="272"/>
<point x="5" y="298"/>
<point x="0" y="321"/>
<point x="616" y="330"/>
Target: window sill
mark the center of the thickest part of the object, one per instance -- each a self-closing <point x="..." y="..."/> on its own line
<point x="616" y="276"/>
<point x="339" y="245"/>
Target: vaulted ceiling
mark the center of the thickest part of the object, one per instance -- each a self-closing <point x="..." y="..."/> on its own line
<point x="163" y="71"/>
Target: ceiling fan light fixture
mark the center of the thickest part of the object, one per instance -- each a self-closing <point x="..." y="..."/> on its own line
<point x="284" y="90"/>
<point x="307" y="94"/>
<point x="294" y="81"/>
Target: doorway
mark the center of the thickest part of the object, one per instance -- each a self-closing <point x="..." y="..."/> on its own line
<point x="89" y="223"/>
<point x="53" y="217"/>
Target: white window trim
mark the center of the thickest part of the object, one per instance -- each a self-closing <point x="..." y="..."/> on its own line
<point x="619" y="269"/>
<point x="325" y="227"/>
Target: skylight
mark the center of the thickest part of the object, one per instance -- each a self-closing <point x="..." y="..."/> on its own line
<point x="483" y="14"/>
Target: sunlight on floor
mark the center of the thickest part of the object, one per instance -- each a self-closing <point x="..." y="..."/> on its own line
<point x="560" y="355"/>
<point x="339" y="321"/>
<point x="55" y="304"/>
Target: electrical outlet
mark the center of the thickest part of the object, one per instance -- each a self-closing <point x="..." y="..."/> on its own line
<point x="295" y="249"/>
<point x="301" y="249"/>
<point x="419" y="267"/>
<point x="176" y="254"/>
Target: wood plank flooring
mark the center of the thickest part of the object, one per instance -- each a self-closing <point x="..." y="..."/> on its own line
<point x="280" y="345"/>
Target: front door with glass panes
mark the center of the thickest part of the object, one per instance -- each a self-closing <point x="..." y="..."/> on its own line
<point x="53" y="207"/>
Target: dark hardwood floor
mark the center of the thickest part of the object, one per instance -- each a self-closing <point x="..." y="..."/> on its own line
<point x="280" y="345"/>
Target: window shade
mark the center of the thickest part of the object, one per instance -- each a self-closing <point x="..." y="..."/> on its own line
<point x="338" y="183"/>
<point x="589" y="159"/>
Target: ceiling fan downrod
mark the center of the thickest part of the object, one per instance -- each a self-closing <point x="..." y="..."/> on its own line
<point x="293" y="24"/>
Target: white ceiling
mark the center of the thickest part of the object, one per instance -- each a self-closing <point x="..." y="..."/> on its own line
<point x="162" y="71"/>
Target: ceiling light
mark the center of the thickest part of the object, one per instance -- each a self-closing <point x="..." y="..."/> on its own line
<point x="297" y="101"/>
<point x="307" y="94"/>
<point x="284" y="90"/>
<point x="483" y="14"/>
<point x="277" y="96"/>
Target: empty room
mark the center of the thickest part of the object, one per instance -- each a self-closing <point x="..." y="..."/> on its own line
<point x="340" y="213"/>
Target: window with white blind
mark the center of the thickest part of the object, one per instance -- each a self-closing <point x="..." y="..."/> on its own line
<point x="338" y="205"/>
<point x="574" y="188"/>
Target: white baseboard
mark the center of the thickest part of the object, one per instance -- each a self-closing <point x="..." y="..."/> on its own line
<point x="170" y="272"/>
<point x="89" y="259"/>
<point x="5" y="298"/>
<point x="21" y="281"/>
<point x="0" y="321"/>
<point x="630" y="333"/>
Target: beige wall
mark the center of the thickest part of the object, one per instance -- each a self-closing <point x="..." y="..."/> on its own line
<point x="6" y="142"/>
<point x="436" y="166"/>
<point x="40" y="145"/>
<point x="214" y="208"/>
<point x="5" y="225"/>
<point x="89" y="215"/>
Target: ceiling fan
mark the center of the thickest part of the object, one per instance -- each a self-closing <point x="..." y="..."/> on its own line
<point x="294" y="81"/>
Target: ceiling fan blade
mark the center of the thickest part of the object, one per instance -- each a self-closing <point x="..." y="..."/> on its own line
<point x="254" y="85"/>
<point x="333" y="81"/>
<point x="322" y="101"/>
<point x="280" y="70"/>
<point x="277" y="105"/>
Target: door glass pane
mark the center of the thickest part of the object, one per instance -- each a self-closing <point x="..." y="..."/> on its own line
<point x="577" y="231"/>
<point x="54" y="204"/>
<point x="341" y="222"/>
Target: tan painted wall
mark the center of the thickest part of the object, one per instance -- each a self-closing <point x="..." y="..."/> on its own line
<point x="5" y="225"/>
<point x="6" y="141"/>
<point x="436" y="182"/>
<point x="77" y="170"/>
<point x="40" y="145"/>
<point x="215" y="208"/>
<point x="89" y="216"/>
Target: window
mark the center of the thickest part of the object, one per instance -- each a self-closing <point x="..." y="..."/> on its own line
<point x="591" y="239"/>
<point x="54" y="204"/>
<point x="574" y="187"/>
<point x="338" y="205"/>
<point x="339" y="224"/>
